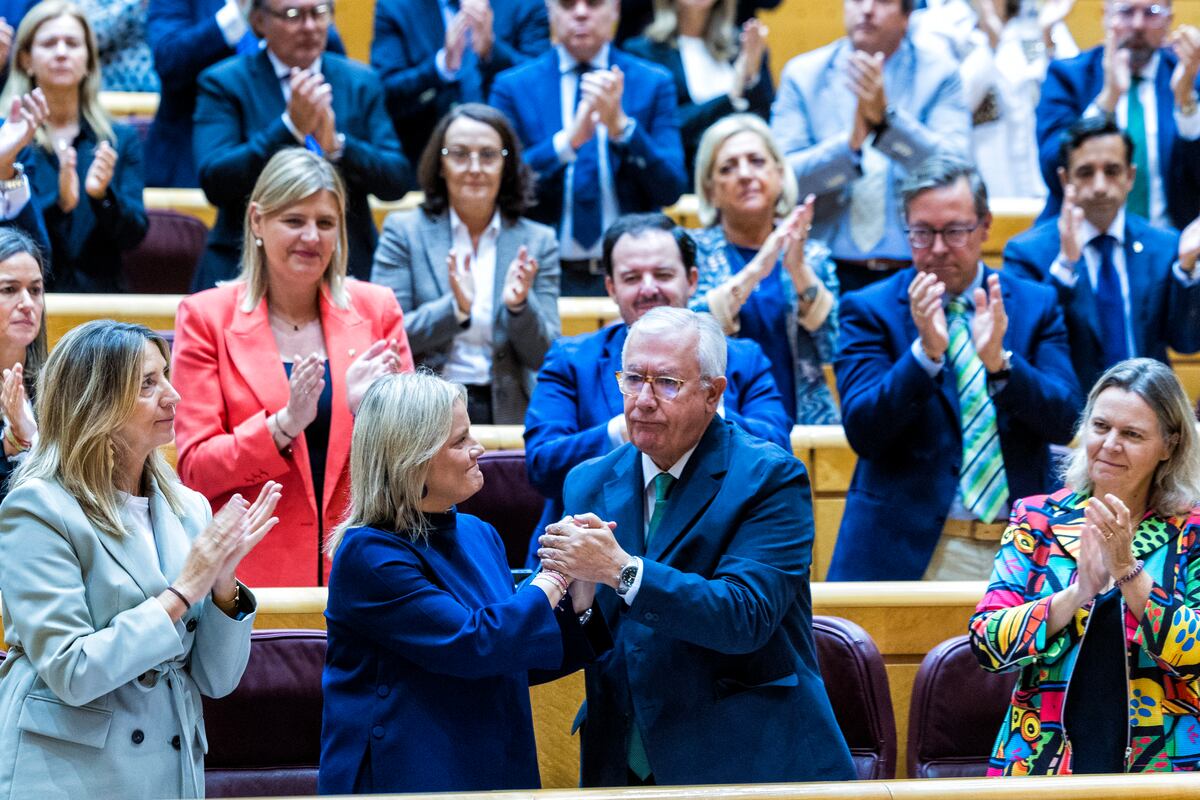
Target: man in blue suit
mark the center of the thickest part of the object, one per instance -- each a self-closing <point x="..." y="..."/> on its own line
<point x="576" y="411"/>
<point x="291" y="93"/>
<point x="1148" y="86"/>
<point x="699" y="539"/>
<point x="186" y="37"/>
<point x="435" y="54"/>
<point x="949" y="403"/>
<point x="1127" y="288"/>
<point x="600" y="130"/>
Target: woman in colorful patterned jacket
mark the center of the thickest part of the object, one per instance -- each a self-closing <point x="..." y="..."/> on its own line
<point x="1108" y="565"/>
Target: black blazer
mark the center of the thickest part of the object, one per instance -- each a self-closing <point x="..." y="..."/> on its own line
<point x="239" y="126"/>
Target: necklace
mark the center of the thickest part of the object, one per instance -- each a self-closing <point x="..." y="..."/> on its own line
<point x="274" y="316"/>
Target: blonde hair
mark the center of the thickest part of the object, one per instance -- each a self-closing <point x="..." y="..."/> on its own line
<point x="717" y="134"/>
<point x="1175" y="487"/>
<point x="402" y="423"/>
<point x="86" y="391"/>
<point x="292" y="176"/>
<point x="720" y="34"/>
<point x="21" y="81"/>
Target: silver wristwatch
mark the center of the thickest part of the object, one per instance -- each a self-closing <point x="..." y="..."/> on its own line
<point x="627" y="577"/>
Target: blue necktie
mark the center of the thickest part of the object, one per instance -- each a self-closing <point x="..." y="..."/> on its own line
<point x="1110" y="304"/>
<point x="585" y="198"/>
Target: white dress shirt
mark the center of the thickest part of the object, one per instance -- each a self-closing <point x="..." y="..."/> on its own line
<point x="650" y="471"/>
<point x="470" y="358"/>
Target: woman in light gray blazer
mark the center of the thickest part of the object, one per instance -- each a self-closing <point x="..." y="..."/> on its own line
<point x="120" y="598"/>
<point x="478" y="283"/>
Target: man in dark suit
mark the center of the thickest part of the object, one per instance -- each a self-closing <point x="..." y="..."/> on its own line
<point x="186" y="37"/>
<point x="699" y="538"/>
<point x="435" y="54"/>
<point x="599" y="128"/>
<point x="576" y="411"/>
<point x="1136" y="77"/>
<point x="1127" y="288"/>
<point x="950" y="403"/>
<point x="292" y="93"/>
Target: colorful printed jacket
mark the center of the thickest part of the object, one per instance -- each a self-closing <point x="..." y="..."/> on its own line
<point x="1008" y="631"/>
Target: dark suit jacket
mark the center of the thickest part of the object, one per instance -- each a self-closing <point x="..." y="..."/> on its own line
<point x="695" y="118"/>
<point x="239" y="126"/>
<point x="408" y="34"/>
<point x="87" y="242"/>
<point x="185" y="39"/>
<point x="576" y="395"/>
<point x="905" y="429"/>
<point x="1165" y="313"/>
<point x="647" y="171"/>
<point x="1070" y="87"/>
<point x="714" y="660"/>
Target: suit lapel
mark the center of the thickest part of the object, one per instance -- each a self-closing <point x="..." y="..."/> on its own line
<point x="508" y="242"/>
<point x="1137" y="272"/>
<point x="437" y="239"/>
<point x="173" y="541"/>
<point x="347" y="336"/>
<point x="550" y="118"/>
<point x="268" y="98"/>
<point x="136" y="556"/>
<point x="697" y="486"/>
<point x="623" y="499"/>
<point x="1166" y="121"/>
<point x="610" y="364"/>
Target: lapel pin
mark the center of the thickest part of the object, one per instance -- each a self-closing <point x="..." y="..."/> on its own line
<point x="351" y="352"/>
<point x="1137" y="247"/>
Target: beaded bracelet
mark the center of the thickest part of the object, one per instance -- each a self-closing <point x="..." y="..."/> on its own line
<point x="1133" y="573"/>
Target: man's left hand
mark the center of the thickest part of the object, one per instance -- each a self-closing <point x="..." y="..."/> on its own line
<point x="989" y="325"/>
<point x="605" y="88"/>
<point x="584" y="549"/>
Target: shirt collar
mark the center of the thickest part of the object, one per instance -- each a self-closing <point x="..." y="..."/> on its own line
<point x="1116" y="229"/>
<point x="458" y="226"/>
<point x="283" y="71"/>
<point x="650" y="470"/>
<point x="568" y="62"/>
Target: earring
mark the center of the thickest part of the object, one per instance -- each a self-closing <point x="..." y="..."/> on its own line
<point x="257" y="242"/>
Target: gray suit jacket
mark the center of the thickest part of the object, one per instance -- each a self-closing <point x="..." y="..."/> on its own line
<point x="411" y="260"/>
<point x="100" y="693"/>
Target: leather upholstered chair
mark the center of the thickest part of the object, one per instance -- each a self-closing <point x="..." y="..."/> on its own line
<point x="264" y="739"/>
<point x="857" y="685"/>
<point x="164" y="261"/>
<point x="957" y="708"/>
<point x="507" y="501"/>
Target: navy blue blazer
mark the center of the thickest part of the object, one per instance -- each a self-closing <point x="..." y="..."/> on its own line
<point x="647" y="170"/>
<point x="239" y="126"/>
<point x="576" y="395"/>
<point x="87" y="243"/>
<point x="185" y="39"/>
<point x="714" y="660"/>
<point x="904" y="426"/>
<point x="426" y="681"/>
<point x="408" y="34"/>
<point x="1165" y="313"/>
<point x="1070" y="87"/>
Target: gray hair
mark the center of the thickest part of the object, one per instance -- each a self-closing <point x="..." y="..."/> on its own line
<point x="938" y="172"/>
<point x="711" y="349"/>
<point x="720" y="132"/>
<point x="402" y="423"/>
<point x="1176" y="483"/>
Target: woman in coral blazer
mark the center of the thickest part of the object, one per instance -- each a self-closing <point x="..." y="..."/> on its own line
<point x="272" y="366"/>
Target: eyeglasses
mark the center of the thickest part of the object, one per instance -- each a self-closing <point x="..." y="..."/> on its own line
<point x="295" y="16"/>
<point x="663" y="387"/>
<point x="1155" y="16"/>
<point x="953" y="236"/>
<point x="568" y="5"/>
<point x="489" y="157"/>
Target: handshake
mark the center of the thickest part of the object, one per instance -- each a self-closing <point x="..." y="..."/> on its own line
<point x="582" y="548"/>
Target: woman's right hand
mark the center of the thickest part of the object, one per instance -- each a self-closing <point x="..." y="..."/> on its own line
<point x="68" y="179"/>
<point x="212" y="549"/>
<point x="304" y="390"/>
<point x="752" y="46"/>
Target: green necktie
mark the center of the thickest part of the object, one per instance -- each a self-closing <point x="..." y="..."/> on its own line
<point x="639" y="764"/>
<point x="982" y="479"/>
<point x="1139" y="197"/>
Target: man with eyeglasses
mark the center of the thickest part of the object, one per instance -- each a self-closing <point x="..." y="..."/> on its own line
<point x="599" y="128"/>
<point x="1145" y="75"/>
<point x="698" y="537"/>
<point x="434" y="54"/>
<point x="1127" y="288"/>
<point x="292" y="93"/>
<point x="954" y="382"/>
<point x="575" y="412"/>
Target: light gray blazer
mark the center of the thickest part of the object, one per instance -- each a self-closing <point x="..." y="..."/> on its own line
<point x="100" y="693"/>
<point x="411" y="260"/>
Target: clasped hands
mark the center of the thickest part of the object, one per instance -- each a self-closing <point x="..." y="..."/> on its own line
<point x="601" y="92"/>
<point x="988" y="326"/>
<point x="310" y="108"/>
<point x="583" y="549"/>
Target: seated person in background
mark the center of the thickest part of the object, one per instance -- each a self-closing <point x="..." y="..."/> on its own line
<point x="702" y="536"/>
<point x="291" y="93"/>
<point x="27" y="114"/>
<point x="576" y="409"/>
<point x="126" y="62"/>
<point x="718" y="69"/>
<point x="272" y="366"/>
<point x="434" y="54"/>
<point x="853" y="118"/>
<point x="954" y="383"/>
<point x="759" y="275"/>
<point x="86" y="170"/>
<point x="478" y="283"/>
<point x="188" y="36"/>
<point x="423" y="621"/>
<point x="600" y="130"/>
<point x="1145" y="75"/>
<point x="22" y="343"/>
<point x="1126" y="288"/>
<point x="1095" y="587"/>
<point x="636" y="15"/>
